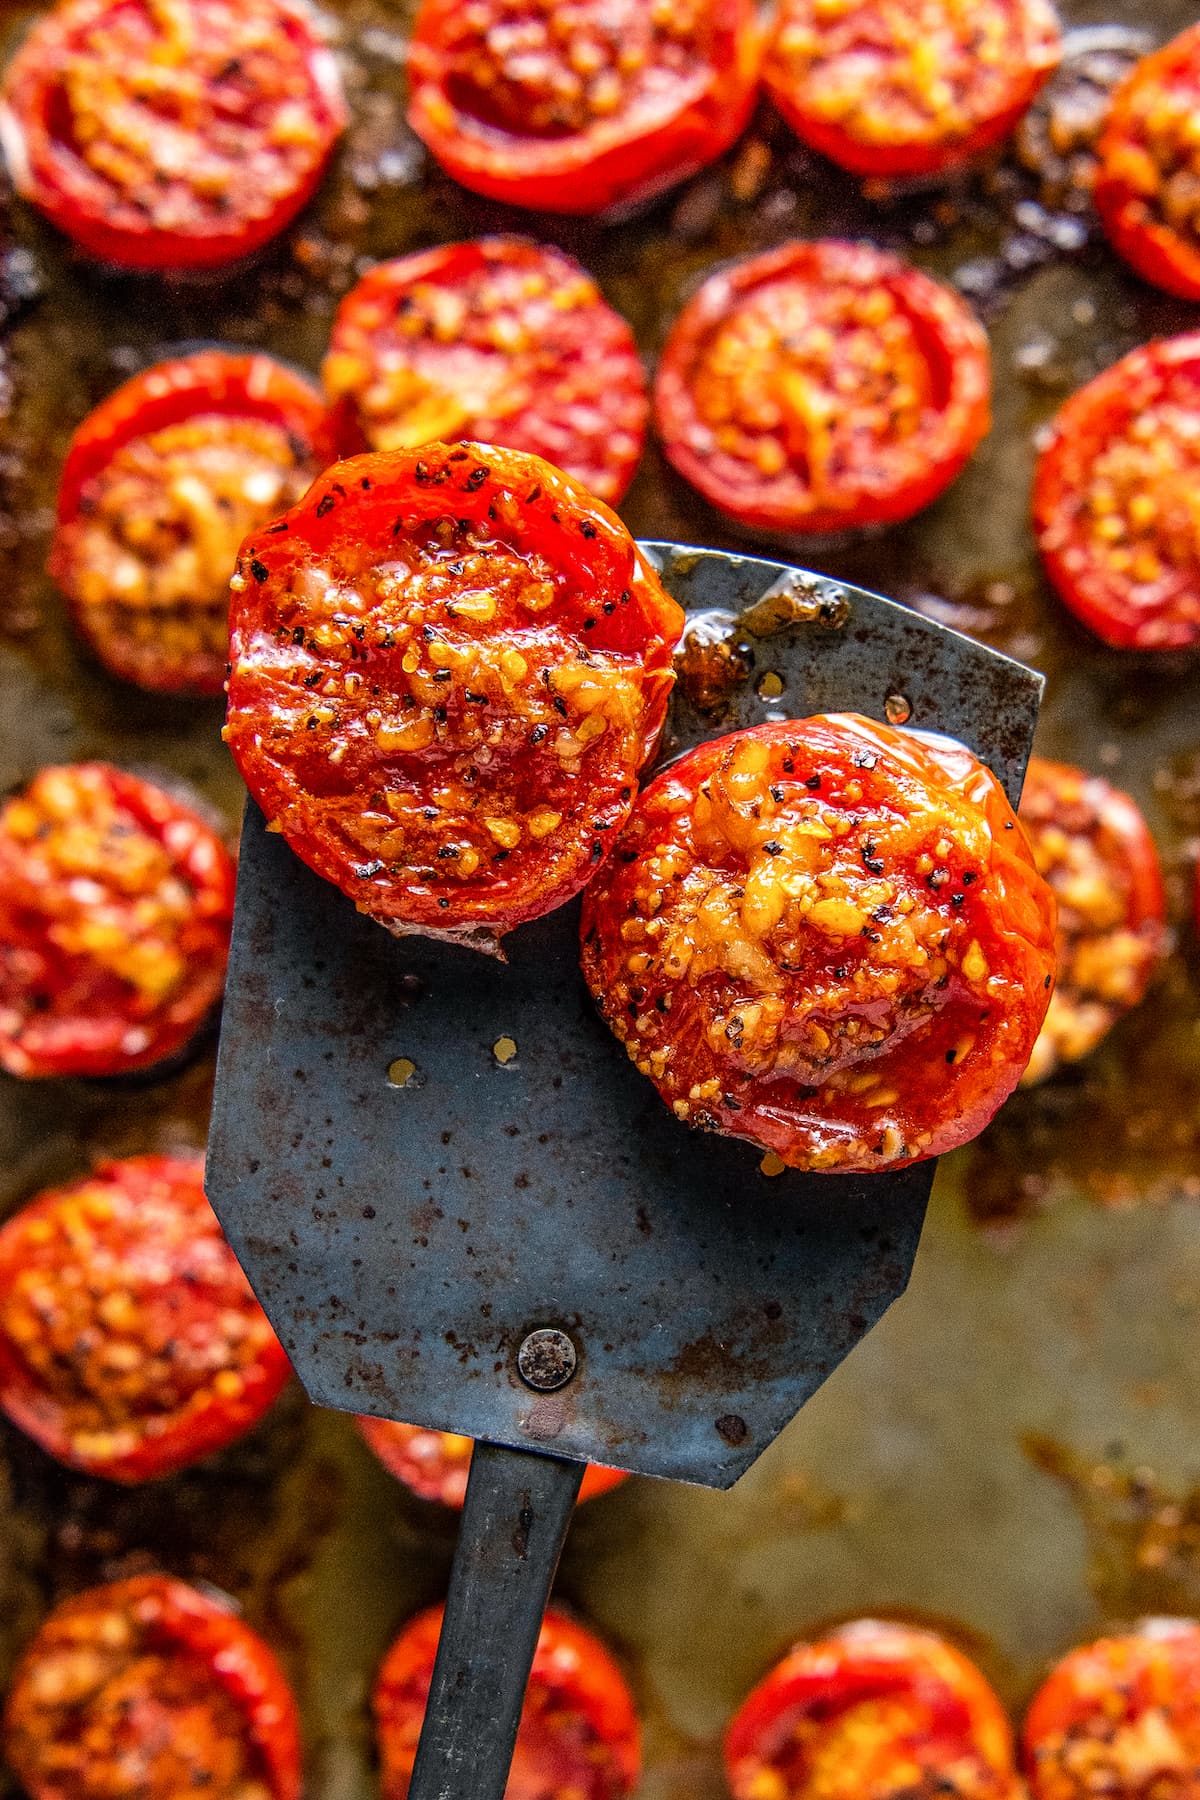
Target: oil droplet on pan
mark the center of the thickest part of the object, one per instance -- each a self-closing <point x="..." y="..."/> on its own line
<point x="401" y="1072"/>
<point x="772" y="1164"/>
<point x="898" y="709"/>
<point x="504" y="1049"/>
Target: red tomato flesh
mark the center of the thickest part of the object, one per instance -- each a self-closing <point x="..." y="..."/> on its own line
<point x="581" y="108"/>
<point x="826" y="936"/>
<point x="1120" y="1717"/>
<point x="822" y="387"/>
<point x="497" y="340"/>
<point x="908" y="87"/>
<point x="171" y="136"/>
<point x="448" y="669"/>
<point x="579" y="1736"/>
<point x="130" y="1342"/>
<point x="435" y="1464"/>
<point x="116" y="905"/>
<point x="872" y="1712"/>
<point x="149" y="1688"/>
<point x="1094" y="848"/>
<point x="160" y="485"/>
<point x="1148" y="187"/>
<point x="1114" y="499"/>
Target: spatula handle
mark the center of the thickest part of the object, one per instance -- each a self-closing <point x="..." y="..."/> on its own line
<point x="515" y="1517"/>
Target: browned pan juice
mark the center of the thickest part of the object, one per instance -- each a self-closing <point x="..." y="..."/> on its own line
<point x="1014" y="1453"/>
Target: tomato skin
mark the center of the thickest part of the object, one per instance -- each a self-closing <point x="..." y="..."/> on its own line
<point x="1119" y="1716"/>
<point x="522" y="615"/>
<point x="68" y="1007"/>
<point x="609" y="158"/>
<point x="852" y="952"/>
<point x="1149" y="120"/>
<point x="435" y="1464"/>
<point x="518" y="324"/>
<point x="803" y="441"/>
<point x="1118" y="444"/>
<point x="257" y="117"/>
<point x="1093" y="846"/>
<point x="176" y="1673"/>
<point x="871" y="1711"/>
<point x="855" y="89"/>
<point x="161" y="1281"/>
<point x="579" y="1734"/>
<point x="209" y="386"/>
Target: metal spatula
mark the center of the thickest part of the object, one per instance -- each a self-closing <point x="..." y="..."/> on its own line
<point x="461" y="1206"/>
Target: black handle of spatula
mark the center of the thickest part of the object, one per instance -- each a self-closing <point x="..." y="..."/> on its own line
<point x="514" y="1520"/>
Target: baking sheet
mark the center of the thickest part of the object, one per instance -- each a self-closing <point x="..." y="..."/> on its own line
<point x="1014" y="1454"/>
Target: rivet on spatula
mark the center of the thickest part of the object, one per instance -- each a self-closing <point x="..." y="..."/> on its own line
<point x="546" y="1360"/>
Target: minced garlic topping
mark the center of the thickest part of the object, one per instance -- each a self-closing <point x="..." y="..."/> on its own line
<point x="813" y="376"/>
<point x="104" y="1708"/>
<point x="1163" y="168"/>
<point x="1140" y="505"/>
<point x="157" y="539"/>
<point x="766" y="883"/>
<point x="110" y="892"/>
<point x="454" y="651"/>
<point x="550" y="68"/>
<point x="1105" y="955"/>
<point x="91" y="1319"/>
<point x="873" y="1749"/>
<point x="826" y="936"/>
<point x="192" y="107"/>
<point x="898" y="72"/>
<point x="504" y="342"/>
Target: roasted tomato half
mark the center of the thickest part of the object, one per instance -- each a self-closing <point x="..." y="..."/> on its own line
<point x="1094" y="848"/>
<point x="448" y="669"/>
<point x="435" y="1464"/>
<point x="1114" y="499"/>
<point x="908" y="87"/>
<point x="116" y="905"/>
<point x="875" y="1711"/>
<point x="130" y="1342"/>
<point x="581" y="108"/>
<point x="579" y="1736"/>
<point x="149" y="1688"/>
<point x="822" y="387"/>
<point x="161" y="484"/>
<point x="1148" y="188"/>
<point x="826" y="936"/>
<point x="1120" y="1717"/>
<point x="497" y="340"/>
<point x="171" y="136"/>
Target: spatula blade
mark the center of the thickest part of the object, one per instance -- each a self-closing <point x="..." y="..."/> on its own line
<point x="405" y="1232"/>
